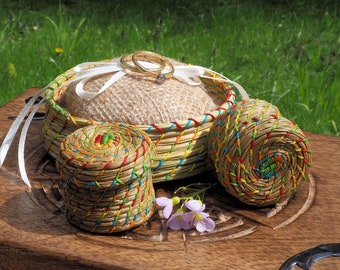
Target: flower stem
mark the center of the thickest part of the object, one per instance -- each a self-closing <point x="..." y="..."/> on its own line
<point x="194" y="190"/>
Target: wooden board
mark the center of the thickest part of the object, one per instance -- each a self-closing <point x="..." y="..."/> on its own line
<point x="35" y="232"/>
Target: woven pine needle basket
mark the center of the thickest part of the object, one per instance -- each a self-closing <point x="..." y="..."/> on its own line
<point x="107" y="177"/>
<point x="260" y="157"/>
<point x="176" y="113"/>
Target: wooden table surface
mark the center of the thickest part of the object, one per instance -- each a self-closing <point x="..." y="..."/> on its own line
<point x="36" y="235"/>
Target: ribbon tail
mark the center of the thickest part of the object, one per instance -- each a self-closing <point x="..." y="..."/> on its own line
<point x="112" y="80"/>
<point x="79" y="89"/>
<point x="15" y="127"/>
<point x="242" y="91"/>
<point x="189" y="74"/>
<point x="21" y="146"/>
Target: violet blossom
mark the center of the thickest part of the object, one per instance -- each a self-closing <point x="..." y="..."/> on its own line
<point x="180" y="220"/>
<point x="201" y="220"/>
<point x="167" y="204"/>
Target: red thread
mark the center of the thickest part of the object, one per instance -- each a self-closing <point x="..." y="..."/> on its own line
<point x="194" y="120"/>
<point x="133" y="202"/>
<point x="178" y="125"/>
<point x="282" y="191"/>
<point x="55" y="116"/>
<point x="278" y="158"/>
<point x="98" y="139"/>
<point x="233" y="94"/>
<point x="69" y="159"/>
<point x="124" y="161"/>
<point x="84" y="165"/>
<point x="137" y="153"/>
<point x="158" y="128"/>
<point x="107" y="165"/>
<point x="65" y="124"/>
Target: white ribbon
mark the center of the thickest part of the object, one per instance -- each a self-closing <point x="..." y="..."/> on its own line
<point x="82" y="74"/>
<point x="13" y="131"/>
<point x="22" y="140"/>
<point x="188" y="74"/>
<point x="86" y="71"/>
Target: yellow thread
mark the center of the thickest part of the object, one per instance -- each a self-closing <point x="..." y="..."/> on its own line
<point x="73" y="120"/>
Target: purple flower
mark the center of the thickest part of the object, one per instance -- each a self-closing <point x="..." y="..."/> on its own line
<point x="201" y="220"/>
<point x="167" y="204"/>
<point x="180" y="220"/>
<point x="186" y="220"/>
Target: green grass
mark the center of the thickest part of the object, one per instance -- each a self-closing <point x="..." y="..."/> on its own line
<point x="285" y="52"/>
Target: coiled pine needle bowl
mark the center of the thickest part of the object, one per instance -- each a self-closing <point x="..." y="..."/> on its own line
<point x="181" y="140"/>
<point x="260" y="157"/>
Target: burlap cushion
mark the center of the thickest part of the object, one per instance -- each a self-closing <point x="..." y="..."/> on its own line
<point x="138" y="99"/>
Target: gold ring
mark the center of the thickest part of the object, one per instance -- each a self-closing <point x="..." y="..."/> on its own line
<point x="151" y="57"/>
<point x="147" y="57"/>
<point x="124" y="62"/>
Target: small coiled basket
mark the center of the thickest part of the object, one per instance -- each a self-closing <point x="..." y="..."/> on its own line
<point x="107" y="177"/>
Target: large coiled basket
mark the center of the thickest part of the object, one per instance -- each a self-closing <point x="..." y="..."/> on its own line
<point x="181" y="145"/>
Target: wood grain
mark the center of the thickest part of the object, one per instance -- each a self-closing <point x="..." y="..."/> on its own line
<point x="34" y="234"/>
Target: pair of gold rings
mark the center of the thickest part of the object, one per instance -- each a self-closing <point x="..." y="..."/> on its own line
<point x="148" y="63"/>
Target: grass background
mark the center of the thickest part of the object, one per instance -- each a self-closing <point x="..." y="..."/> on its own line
<point x="285" y="52"/>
